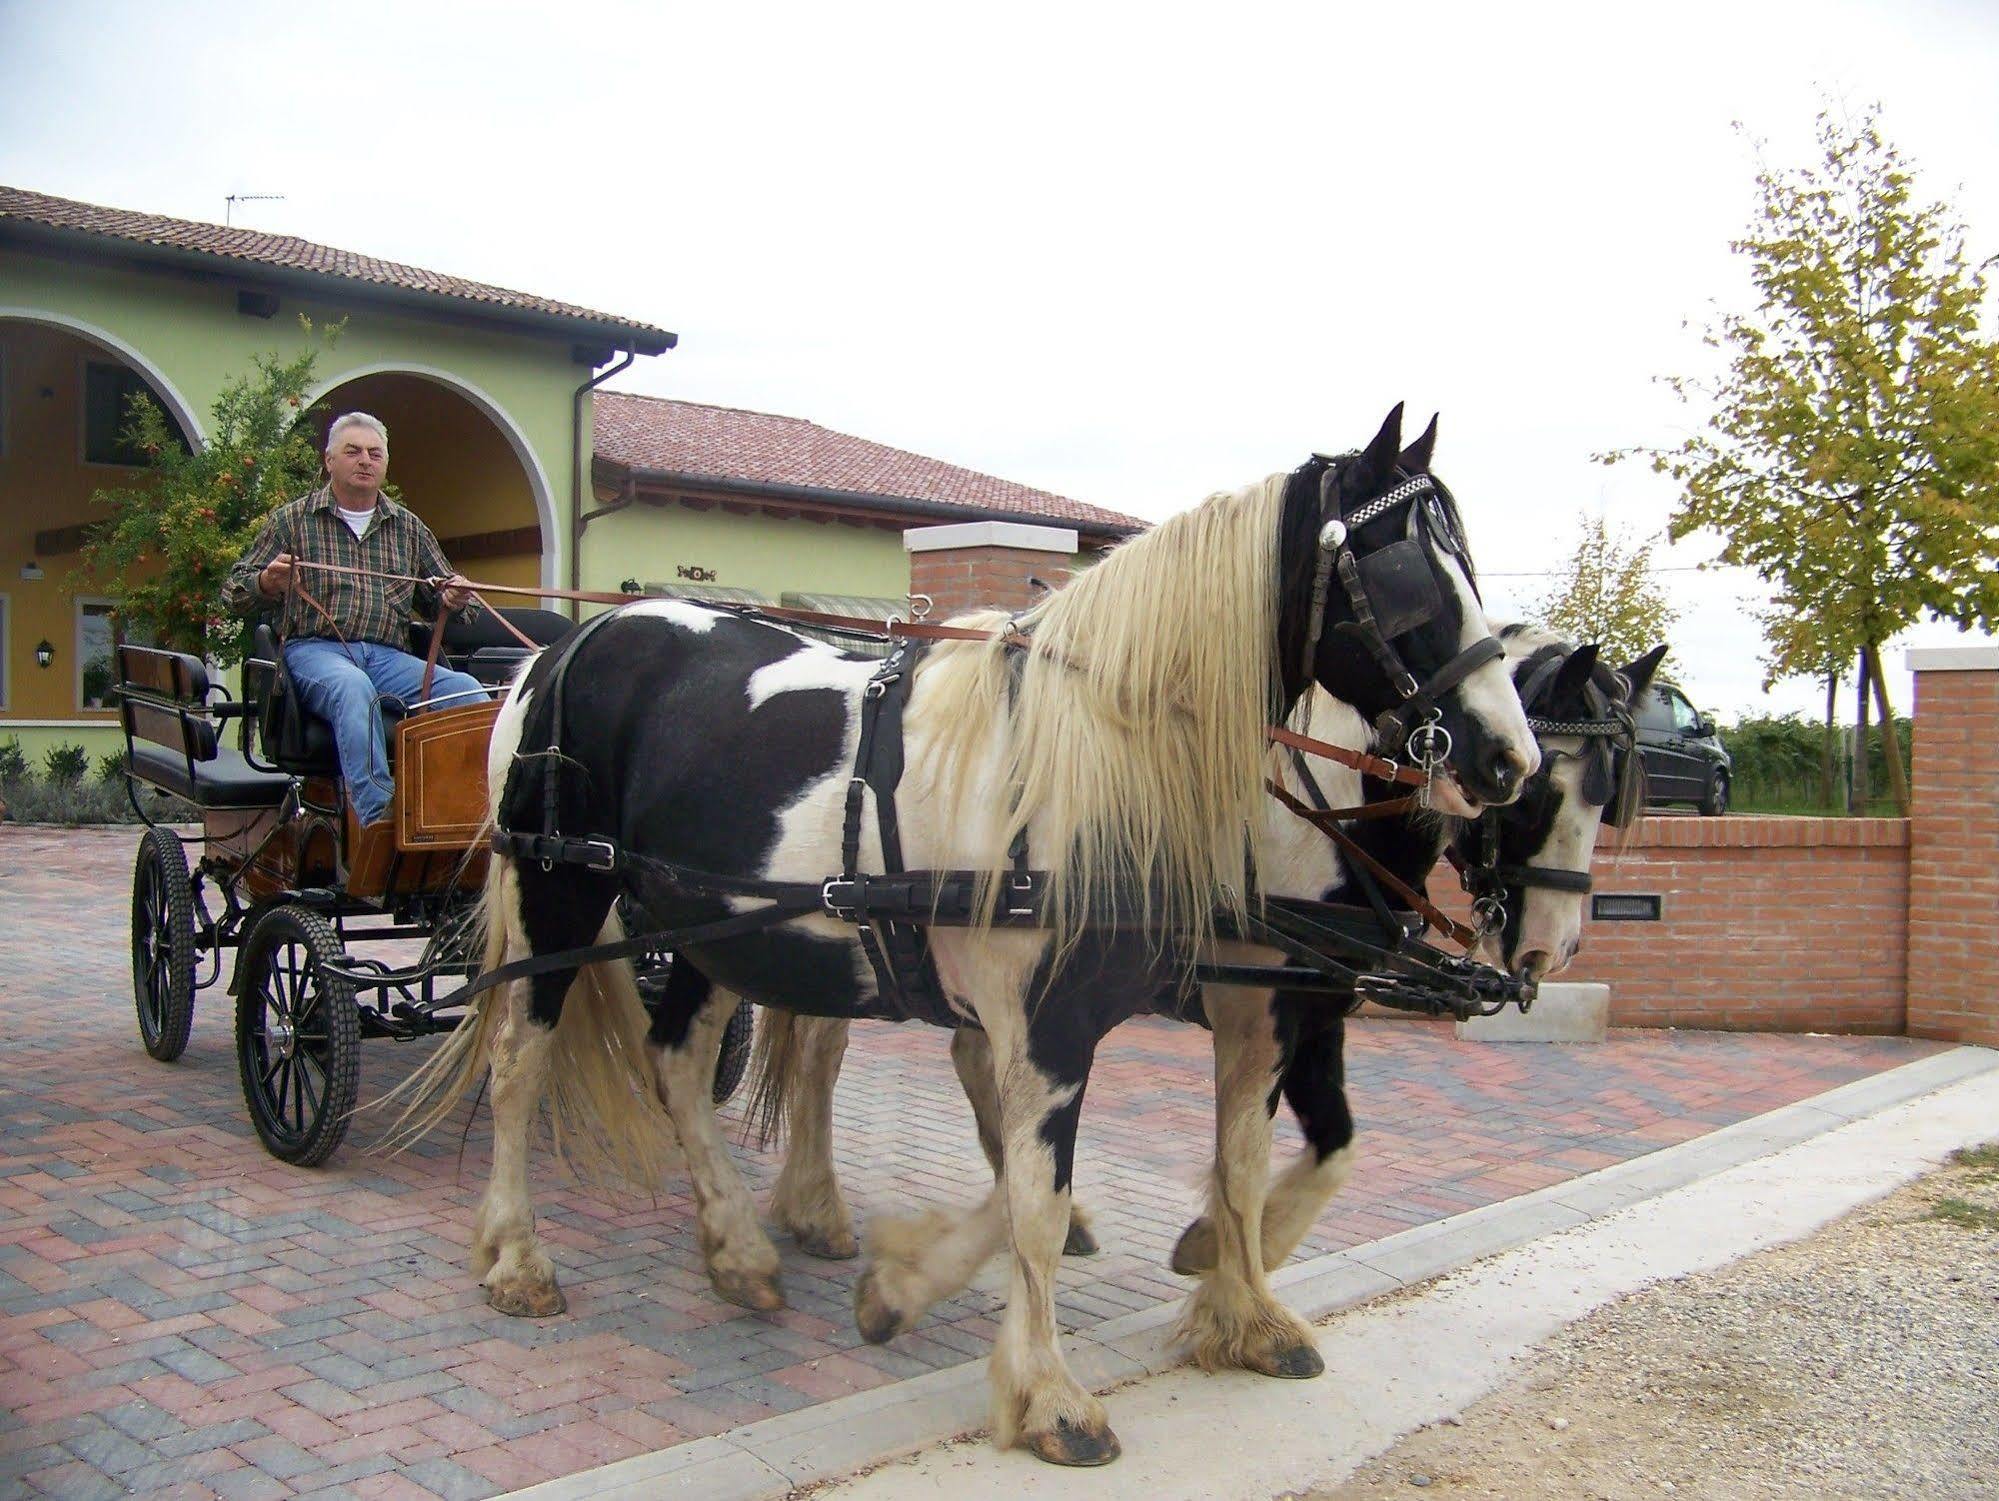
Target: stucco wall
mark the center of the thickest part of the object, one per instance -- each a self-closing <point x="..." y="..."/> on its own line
<point x="757" y="552"/>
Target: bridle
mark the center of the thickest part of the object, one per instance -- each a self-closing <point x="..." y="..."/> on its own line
<point x="1391" y="591"/>
<point x="1609" y="740"/>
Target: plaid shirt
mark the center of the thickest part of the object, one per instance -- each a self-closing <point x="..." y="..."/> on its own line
<point x="365" y="609"/>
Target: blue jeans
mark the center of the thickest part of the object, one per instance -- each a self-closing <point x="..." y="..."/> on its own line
<point x="342" y="682"/>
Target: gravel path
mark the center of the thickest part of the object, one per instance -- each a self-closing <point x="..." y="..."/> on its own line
<point x="1862" y="1362"/>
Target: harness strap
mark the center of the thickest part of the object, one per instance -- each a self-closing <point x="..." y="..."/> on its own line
<point x="1330" y="827"/>
<point x="1379" y="767"/>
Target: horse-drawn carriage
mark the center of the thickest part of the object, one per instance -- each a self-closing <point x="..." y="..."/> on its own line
<point x="287" y="879"/>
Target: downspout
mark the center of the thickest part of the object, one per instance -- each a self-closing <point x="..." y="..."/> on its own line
<point x="579" y="477"/>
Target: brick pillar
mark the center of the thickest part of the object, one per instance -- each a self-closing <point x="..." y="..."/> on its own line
<point x="1954" y="846"/>
<point x="976" y="565"/>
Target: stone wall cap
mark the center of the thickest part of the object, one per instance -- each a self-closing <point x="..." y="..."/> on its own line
<point x="1018" y="534"/>
<point x="1953" y="658"/>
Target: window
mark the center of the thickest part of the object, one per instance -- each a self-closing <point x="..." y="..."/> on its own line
<point x="96" y="638"/>
<point x="107" y="405"/>
<point x="1655" y="711"/>
<point x="1684" y="716"/>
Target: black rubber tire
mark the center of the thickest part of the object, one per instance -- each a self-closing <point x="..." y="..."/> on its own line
<point x="298" y="1036"/>
<point x="163" y="945"/>
<point x="733" y="1059"/>
<point x="1714" y="802"/>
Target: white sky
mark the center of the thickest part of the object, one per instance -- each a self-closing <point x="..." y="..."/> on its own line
<point x="1130" y="254"/>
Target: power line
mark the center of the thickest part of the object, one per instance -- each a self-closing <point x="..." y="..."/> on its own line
<point x="1548" y="573"/>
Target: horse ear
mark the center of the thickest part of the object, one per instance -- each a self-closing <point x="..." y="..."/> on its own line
<point x="1416" y="457"/>
<point x="1377" y="460"/>
<point x="1574" y="675"/>
<point x="1639" y="673"/>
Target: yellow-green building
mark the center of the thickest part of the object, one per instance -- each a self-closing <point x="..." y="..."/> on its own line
<point x="500" y="441"/>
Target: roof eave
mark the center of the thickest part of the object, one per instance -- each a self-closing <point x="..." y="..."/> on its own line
<point x="639" y="339"/>
<point x="932" y="510"/>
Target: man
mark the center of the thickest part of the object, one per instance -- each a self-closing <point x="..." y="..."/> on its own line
<point x="346" y="654"/>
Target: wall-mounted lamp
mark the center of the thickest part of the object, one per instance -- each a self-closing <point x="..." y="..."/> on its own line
<point x="44" y="653"/>
<point x="31" y="571"/>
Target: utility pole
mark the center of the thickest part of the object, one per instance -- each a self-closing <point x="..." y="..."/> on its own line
<point x="229" y="203"/>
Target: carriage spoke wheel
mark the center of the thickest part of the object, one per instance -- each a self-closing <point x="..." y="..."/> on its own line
<point x="734" y="1056"/>
<point x="298" y="1036"/>
<point x="162" y="945"/>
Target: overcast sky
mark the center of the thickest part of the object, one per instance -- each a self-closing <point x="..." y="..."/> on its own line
<point x="1118" y="253"/>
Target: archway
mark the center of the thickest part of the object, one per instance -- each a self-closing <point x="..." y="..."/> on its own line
<point x="460" y="463"/>
<point x="64" y="390"/>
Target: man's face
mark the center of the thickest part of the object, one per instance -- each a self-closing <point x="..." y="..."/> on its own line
<point x="358" y="460"/>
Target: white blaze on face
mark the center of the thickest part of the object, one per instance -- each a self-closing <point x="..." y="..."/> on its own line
<point x="1551" y="922"/>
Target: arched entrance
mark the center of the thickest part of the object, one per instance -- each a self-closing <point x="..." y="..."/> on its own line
<point x="65" y="389"/>
<point x="457" y="461"/>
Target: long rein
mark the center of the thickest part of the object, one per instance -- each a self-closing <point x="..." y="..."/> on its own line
<point x="1328" y="821"/>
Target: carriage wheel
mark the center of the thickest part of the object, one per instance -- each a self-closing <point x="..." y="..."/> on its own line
<point x="163" y="945"/>
<point x="734" y="1056"/>
<point x="298" y="1036"/>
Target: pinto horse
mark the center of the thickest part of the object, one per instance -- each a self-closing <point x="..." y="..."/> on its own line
<point x="1535" y="854"/>
<point x="1114" y="734"/>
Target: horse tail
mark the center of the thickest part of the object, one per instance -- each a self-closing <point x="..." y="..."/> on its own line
<point x="601" y="1102"/>
<point x="775" y="1062"/>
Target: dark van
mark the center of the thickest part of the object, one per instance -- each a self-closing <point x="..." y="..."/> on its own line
<point x="1685" y="761"/>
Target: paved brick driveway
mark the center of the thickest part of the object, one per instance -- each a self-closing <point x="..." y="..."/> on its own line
<point x="182" y="1315"/>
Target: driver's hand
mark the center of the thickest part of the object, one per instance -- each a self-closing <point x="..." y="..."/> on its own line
<point x="274" y="580"/>
<point x="455" y="592"/>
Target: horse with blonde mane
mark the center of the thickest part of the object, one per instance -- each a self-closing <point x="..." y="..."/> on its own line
<point x="1113" y="738"/>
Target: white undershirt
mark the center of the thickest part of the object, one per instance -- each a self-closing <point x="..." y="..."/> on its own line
<point x="357" y="521"/>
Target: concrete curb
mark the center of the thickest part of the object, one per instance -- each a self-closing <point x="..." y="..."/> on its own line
<point x="832" y="1439"/>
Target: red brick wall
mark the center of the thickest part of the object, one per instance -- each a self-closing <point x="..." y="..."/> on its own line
<point x="976" y="578"/>
<point x="1954" y="858"/>
<point x="1769" y="924"/>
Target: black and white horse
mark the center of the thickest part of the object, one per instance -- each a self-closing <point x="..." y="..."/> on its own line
<point x="1537" y="853"/>
<point x="1125" y="743"/>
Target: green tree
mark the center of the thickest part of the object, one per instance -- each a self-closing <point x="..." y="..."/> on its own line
<point x="1608" y="593"/>
<point x="1851" y="454"/>
<point x="167" y="542"/>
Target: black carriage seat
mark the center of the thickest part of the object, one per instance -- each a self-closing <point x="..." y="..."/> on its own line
<point x="291" y="739"/>
<point x="170" y="736"/>
<point x="488" y="650"/>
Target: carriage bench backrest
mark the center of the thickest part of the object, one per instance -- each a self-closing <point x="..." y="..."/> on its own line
<point x="163" y="697"/>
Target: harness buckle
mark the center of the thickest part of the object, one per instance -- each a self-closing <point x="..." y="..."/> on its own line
<point x="839" y="911"/>
<point x="609" y="855"/>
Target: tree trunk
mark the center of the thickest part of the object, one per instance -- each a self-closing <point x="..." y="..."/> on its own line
<point x="1829" y="747"/>
<point x="1891" y="745"/>
<point x="1856" y="773"/>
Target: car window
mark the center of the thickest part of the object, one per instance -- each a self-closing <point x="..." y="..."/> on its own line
<point x="1655" y="711"/>
<point x="1684" y="717"/>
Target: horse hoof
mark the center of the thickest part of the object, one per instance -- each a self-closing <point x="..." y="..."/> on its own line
<point x="1080" y="1241"/>
<point x="1067" y="1444"/>
<point x="829" y="1245"/>
<point x="528" y="1302"/>
<point x="758" y="1294"/>
<point x="877" y="1322"/>
<point x="1195" y="1251"/>
<point x="1293" y="1363"/>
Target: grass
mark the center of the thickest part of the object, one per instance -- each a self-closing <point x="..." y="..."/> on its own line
<point x="1964" y="1213"/>
<point x="1983" y="1161"/>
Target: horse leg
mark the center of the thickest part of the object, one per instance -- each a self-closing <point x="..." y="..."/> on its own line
<point x="1315" y="1087"/>
<point x="1042" y="1063"/>
<point x="685" y="1040"/>
<point x="972" y="1057"/>
<point x="807" y="1199"/>
<point x="1232" y="1319"/>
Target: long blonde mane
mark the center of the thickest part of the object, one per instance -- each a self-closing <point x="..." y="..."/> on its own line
<point x="1135" y="748"/>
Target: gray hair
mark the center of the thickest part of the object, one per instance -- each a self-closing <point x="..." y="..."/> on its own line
<point x="356" y="419"/>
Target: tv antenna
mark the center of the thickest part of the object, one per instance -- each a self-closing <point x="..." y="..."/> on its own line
<point x="229" y="203"/>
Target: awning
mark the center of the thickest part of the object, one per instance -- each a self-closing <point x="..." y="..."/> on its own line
<point x="860" y="606"/>
<point x="709" y="594"/>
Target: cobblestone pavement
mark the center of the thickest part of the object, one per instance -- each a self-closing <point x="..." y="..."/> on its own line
<point x="182" y="1315"/>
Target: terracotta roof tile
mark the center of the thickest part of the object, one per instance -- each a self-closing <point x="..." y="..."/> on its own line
<point x="685" y="437"/>
<point x="289" y="253"/>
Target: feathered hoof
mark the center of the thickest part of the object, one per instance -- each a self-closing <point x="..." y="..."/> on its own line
<point x="1195" y="1252"/>
<point x="1290" y="1363"/>
<point x="746" y="1290"/>
<point x="878" y="1322"/>
<point x="1068" y="1444"/>
<point x="1080" y="1241"/>
<point x="527" y="1300"/>
<point x="828" y="1245"/>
